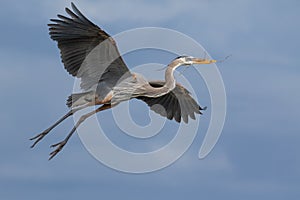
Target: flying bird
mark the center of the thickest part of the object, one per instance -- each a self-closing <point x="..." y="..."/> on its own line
<point x="89" y="53"/>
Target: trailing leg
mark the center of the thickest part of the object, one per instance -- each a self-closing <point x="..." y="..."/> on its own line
<point x="61" y="144"/>
<point x="40" y="136"/>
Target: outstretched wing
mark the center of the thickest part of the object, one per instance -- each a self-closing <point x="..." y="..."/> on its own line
<point x="176" y="104"/>
<point x="87" y="51"/>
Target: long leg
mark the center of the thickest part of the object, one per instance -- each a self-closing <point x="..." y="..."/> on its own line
<point x="61" y="144"/>
<point x="40" y="136"/>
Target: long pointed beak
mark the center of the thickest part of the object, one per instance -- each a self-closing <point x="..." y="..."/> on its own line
<point x="202" y="61"/>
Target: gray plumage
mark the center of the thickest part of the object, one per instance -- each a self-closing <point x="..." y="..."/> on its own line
<point x="89" y="53"/>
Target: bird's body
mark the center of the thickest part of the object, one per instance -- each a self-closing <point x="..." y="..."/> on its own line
<point x="91" y="54"/>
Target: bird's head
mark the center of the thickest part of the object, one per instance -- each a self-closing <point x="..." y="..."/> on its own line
<point x="189" y="60"/>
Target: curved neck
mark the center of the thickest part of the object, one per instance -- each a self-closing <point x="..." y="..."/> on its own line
<point x="169" y="76"/>
<point x="169" y="85"/>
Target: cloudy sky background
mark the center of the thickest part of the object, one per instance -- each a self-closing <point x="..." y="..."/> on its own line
<point x="257" y="156"/>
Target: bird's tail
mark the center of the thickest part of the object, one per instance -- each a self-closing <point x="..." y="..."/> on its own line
<point x="79" y="99"/>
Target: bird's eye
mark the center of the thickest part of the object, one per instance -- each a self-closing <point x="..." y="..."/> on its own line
<point x="188" y="59"/>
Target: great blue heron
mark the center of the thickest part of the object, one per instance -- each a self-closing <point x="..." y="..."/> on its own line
<point x="90" y="54"/>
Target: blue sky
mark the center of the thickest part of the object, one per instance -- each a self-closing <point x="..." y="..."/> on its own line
<point x="257" y="156"/>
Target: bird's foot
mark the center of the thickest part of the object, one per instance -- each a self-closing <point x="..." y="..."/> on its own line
<point x="39" y="137"/>
<point x="59" y="147"/>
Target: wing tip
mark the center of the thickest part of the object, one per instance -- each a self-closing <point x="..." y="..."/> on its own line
<point x="73" y="5"/>
<point x="204" y="108"/>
